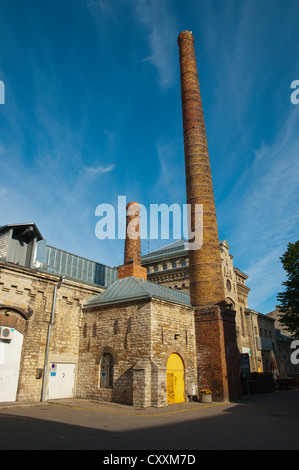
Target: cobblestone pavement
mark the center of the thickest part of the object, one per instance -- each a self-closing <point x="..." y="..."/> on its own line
<point x="266" y="421"/>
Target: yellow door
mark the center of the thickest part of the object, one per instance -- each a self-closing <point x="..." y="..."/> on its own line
<point x="175" y="379"/>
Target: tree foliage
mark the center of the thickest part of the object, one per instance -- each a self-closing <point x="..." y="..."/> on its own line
<point x="289" y="299"/>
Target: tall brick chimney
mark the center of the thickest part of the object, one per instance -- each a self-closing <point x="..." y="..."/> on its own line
<point x="206" y="281"/>
<point x="132" y="257"/>
<point x="217" y="353"/>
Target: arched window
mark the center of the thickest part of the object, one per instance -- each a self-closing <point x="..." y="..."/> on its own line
<point x="106" y="371"/>
<point x="230" y="301"/>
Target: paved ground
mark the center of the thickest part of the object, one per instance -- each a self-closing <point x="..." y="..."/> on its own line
<point x="267" y="421"/>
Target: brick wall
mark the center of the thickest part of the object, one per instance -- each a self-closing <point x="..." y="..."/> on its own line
<point x="206" y="282"/>
<point x="132" y="270"/>
<point x="218" y="356"/>
<point x="132" y="242"/>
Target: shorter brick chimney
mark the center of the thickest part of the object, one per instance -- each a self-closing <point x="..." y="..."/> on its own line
<point x="132" y="259"/>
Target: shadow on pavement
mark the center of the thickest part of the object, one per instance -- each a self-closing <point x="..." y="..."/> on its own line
<point x="267" y="422"/>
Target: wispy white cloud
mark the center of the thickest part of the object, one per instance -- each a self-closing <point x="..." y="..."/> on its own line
<point x="258" y="202"/>
<point x="266" y="217"/>
<point x="99" y="170"/>
<point x="102" y="4"/>
<point x="239" y="58"/>
<point x="170" y="180"/>
<point x="160" y="25"/>
<point x="50" y="180"/>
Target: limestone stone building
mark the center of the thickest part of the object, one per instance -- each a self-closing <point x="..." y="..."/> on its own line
<point x="40" y="316"/>
<point x="169" y="266"/>
<point x="152" y="332"/>
<point x="284" y="348"/>
<point x="256" y="333"/>
<point x="129" y="340"/>
<point x="141" y="329"/>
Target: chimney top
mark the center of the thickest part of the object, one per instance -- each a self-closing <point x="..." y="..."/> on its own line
<point x="185" y="35"/>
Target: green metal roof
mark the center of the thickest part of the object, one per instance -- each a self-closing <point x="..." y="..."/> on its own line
<point x="133" y="288"/>
<point x="177" y="247"/>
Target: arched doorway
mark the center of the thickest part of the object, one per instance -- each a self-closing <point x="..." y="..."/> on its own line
<point x="175" y="379"/>
<point x="10" y="357"/>
<point x="12" y="330"/>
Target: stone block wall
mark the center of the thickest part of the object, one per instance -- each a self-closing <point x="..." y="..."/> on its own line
<point x="26" y="298"/>
<point x="173" y="332"/>
<point x="122" y="330"/>
<point x="140" y="336"/>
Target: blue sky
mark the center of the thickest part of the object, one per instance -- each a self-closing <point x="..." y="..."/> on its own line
<point x="92" y="112"/>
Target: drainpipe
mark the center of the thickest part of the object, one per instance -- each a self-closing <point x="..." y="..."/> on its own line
<point x="254" y="342"/>
<point x="56" y="287"/>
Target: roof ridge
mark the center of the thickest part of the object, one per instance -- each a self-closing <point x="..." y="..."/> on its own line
<point x="125" y="290"/>
<point x="166" y="247"/>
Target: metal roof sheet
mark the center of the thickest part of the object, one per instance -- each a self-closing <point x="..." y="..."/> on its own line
<point x="175" y="247"/>
<point x="16" y="226"/>
<point x="133" y="288"/>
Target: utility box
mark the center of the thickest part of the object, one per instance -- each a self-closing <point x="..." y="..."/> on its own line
<point x="191" y="388"/>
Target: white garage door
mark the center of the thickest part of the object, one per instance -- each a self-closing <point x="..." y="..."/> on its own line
<point x="10" y="356"/>
<point x="61" y="380"/>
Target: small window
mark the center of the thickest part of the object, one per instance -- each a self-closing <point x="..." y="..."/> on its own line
<point x="106" y="370"/>
<point x="155" y="268"/>
<point x="164" y="266"/>
<point x="174" y="265"/>
<point x="183" y="263"/>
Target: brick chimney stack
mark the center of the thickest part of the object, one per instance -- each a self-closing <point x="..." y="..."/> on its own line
<point x="206" y="281"/>
<point x="132" y="257"/>
<point x="215" y="329"/>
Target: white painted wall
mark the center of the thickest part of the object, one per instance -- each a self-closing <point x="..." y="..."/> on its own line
<point x="10" y="356"/>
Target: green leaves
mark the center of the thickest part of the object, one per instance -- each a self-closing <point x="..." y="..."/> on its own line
<point x="289" y="299"/>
